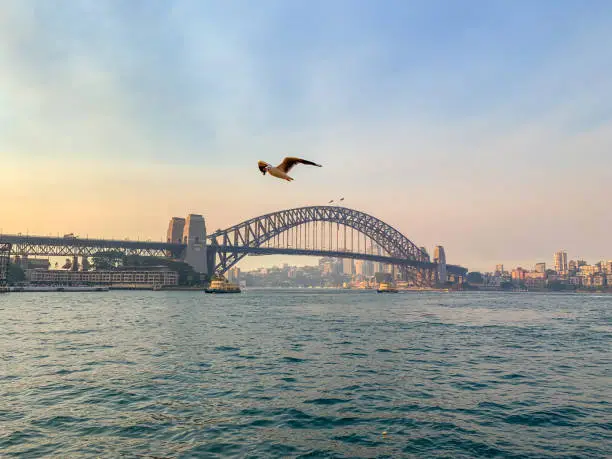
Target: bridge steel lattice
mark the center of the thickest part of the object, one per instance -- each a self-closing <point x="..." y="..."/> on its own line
<point x="263" y="235"/>
<point x="5" y="258"/>
<point x="250" y="237"/>
<point x="68" y="247"/>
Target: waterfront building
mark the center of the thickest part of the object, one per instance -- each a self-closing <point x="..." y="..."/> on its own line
<point x="540" y="267"/>
<point x="599" y="280"/>
<point x="149" y="276"/>
<point x="588" y="270"/>
<point x="573" y="280"/>
<point x="535" y="280"/>
<point x="518" y="274"/>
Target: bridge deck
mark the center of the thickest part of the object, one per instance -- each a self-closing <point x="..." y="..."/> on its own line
<point x="75" y="246"/>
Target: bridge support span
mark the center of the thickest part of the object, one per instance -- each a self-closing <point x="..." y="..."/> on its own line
<point x="194" y="238"/>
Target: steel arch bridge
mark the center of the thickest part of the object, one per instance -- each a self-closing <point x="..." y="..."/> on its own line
<point x="264" y="235"/>
<point x="309" y="231"/>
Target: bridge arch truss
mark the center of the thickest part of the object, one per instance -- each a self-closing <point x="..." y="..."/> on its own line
<point x="232" y="244"/>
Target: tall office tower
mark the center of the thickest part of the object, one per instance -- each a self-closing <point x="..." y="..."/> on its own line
<point x="348" y="266"/>
<point x="560" y="259"/>
<point x="540" y="267"/>
<point x="499" y="270"/>
<point x="379" y="267"/>
<point x="233" y="275"/>
<point x="440" y="259"/>
<point x="194" y="236"/>
<point x="175" y="230"/>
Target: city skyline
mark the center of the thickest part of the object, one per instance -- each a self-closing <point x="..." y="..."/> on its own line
<point x="489" y="125"/>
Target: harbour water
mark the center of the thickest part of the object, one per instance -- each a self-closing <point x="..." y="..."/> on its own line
<point x="305" y="374"/>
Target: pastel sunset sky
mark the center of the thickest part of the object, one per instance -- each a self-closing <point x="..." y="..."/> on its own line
<point x="484" y="126"/>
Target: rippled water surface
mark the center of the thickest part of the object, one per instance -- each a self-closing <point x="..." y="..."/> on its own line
<point x="305" y="374"/>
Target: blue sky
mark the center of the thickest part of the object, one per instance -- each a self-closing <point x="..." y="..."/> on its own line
<point x="481" y="125"/>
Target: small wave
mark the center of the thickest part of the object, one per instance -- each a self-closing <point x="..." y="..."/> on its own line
<point x="293" y="359"/>
<point x="58" y="421"/>
<point x="358" y="439"/>
<point x="18" y="437"/>
<point x="513" y="376"/>
<point x="326" y="401"/>
<point x="566" y="417"/>
<point x="6" y="415"/>
<point x="227" y="349"/>
<point x="470" y="385"/>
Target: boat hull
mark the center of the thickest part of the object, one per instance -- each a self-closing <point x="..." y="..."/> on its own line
<point x="214" y="290"/>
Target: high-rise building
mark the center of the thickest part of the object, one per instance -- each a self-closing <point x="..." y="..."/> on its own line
<point x="360" y="268"/>
<point x="330" y="265"/>
<point x="233" y="275"/>
<point x="540" y="267"/>
<point x="348" y="266"/>
<point x="560" y="259"/>
<point x="175" y="230"/>
<point x="518" y="274"/>
<point x="378" y="267"/>
<point x="499" y="270"/>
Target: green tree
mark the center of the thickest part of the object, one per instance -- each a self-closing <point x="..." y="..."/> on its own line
<point x="557" y="286"/>
<point x="505" y="285"/>
<point x="107" y="260"/>
<point x="474" y="277"/>
<point x="14" y="274"/>
<point x="187" y="275"/>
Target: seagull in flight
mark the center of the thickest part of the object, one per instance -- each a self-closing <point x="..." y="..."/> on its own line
<point x="281" y="170"/>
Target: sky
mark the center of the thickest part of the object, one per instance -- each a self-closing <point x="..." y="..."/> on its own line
<point x="483" y="126"/>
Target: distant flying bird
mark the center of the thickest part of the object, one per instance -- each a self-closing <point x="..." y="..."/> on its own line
<point x="330" y="201"/>
<point x="281" y="170"/>
<point x="341" y="199"/>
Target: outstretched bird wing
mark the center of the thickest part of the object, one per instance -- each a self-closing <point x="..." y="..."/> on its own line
<point x="290" y="161"/>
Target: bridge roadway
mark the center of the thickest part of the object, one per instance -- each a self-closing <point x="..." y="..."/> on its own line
<point x="71" y="246"/>
<point x="451" y="269"/>
<point x="76" y="246"/>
